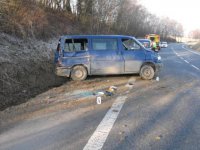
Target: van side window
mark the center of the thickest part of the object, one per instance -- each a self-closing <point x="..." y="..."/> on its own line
<point x="130" y="44"/>
<point x="104" y="44"/>
<point x="73" y="45"/>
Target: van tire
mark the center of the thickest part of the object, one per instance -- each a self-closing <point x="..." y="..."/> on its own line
<point x="78" y="73"/>
<point x="147" y="72"/>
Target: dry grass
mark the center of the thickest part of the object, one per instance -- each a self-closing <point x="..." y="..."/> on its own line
<point x="25" y="66"/>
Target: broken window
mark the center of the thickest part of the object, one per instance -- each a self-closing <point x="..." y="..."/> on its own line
<point x="73" y="45"/>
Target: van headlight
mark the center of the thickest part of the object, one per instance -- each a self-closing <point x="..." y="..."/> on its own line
<point x="159" y="57"/>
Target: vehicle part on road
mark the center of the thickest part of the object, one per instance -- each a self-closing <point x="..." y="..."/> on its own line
<point x="100" y="93"/>
<point x="78" y="73"/>
<point x="107" y="93"/>
<point x="129" y="85"/>
<point x="112" y="89"/>
<point x="157" y="78"/>
<point x="158" y="137"/>
<point x="147" y="72"/>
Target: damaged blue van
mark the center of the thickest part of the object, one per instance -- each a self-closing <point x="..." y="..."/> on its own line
<point x="78" y="56"/>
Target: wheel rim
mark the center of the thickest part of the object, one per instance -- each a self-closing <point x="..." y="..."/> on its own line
<point x="79" y="73"/>
<point x="147" y="72"/>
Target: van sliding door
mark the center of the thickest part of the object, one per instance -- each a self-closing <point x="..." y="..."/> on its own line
<point x="105" y="56"/>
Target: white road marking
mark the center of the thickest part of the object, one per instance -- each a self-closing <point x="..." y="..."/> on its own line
<point x="190" y="50"/>
<point x="195" y="67"/>
<point x="186" y="61"/>
<point x="100" y="135"/>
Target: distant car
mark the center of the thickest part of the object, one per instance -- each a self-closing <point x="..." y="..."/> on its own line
<point x="164" y="44"/>
<point x="145" y="42"/>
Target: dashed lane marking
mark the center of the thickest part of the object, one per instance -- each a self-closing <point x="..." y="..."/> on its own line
<point x="190" y="50"/>
<point x="186" y="60"/>
<point x="182" y="58"/>
<point x="195" y="67"/>
<point x="100" y="135"/>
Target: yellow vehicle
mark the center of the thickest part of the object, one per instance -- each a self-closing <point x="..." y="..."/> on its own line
<point x="154" y="38"/>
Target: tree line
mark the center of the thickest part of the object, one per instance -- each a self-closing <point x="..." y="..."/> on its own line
<point x="33" y="17"/>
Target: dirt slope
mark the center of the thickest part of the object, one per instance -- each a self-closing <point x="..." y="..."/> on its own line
<point x="26" y="69"/>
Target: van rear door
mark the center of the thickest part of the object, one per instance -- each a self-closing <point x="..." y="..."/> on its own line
<point x="75" y="51"/>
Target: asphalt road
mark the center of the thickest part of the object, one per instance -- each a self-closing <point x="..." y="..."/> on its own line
<point x="148" y="115"/>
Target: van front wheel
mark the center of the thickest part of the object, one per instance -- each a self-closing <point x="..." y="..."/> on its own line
<point x="147" y="72"/>
<point x="78" y="73"/>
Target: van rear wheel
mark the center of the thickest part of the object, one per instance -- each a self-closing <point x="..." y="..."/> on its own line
<point x="147" y="72"/>
<point x="78" y="73"/>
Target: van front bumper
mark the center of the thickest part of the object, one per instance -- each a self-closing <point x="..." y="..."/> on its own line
<point x="63" y="71"/>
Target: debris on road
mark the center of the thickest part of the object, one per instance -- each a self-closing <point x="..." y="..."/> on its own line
<point x="107" y="93"/>
<point x="113" y="87"/>
<point x="100" y="93"/>
<point x="158" y="137"/>
<point x="110" y="91"/>
<point x="130" y="85"/>
<point x="157" y="79"/>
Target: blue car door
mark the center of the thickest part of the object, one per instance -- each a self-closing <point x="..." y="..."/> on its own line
<point x="133" y="55"/>
<point x="105" y="56"/>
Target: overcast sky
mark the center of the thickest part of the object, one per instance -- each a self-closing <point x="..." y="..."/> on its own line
<point x="187" y="12"/>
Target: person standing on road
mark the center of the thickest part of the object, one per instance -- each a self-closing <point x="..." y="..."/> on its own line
<point x="154" y="46"/>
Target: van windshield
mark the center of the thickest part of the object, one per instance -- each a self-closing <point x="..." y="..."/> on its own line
<point x="146" y="44"/>
<point x="130" y="44"/>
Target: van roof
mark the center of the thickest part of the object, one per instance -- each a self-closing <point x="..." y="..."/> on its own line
<point x="96" y="36"/>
